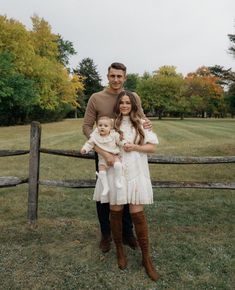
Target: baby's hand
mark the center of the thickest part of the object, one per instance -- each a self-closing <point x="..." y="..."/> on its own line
<point x="83" y="151"/>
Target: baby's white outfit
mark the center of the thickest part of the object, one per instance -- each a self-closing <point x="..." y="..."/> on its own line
<point x="137" y="187"/>
<point x="108" y="143"/>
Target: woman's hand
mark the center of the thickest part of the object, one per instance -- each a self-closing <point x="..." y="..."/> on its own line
<point x="128" y="147"/>
<point x="145" y="148"/>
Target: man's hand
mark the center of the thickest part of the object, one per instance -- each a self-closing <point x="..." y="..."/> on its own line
<point x="128" y="147"/>
<point x="109" y="158"/>
<point x="83" y="151"/>
<point x="147" y="124"/>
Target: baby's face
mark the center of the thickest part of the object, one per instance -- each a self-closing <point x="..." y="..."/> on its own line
<point x="104" y="127"/>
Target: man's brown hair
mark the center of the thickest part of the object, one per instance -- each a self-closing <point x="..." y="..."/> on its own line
<point x="117" y="65"/>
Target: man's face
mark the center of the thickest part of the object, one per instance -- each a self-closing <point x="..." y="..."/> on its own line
<point x="116" y="79"/>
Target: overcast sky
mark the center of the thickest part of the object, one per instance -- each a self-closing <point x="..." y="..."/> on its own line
<point x="143" y="34"/>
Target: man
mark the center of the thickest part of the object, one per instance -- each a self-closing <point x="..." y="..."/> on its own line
<point x="102" y="104"/>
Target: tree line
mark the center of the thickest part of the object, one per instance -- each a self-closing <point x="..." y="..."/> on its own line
<point x="36" y="82"/>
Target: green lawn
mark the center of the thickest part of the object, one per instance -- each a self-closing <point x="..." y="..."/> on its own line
<point x="191" y="231"/>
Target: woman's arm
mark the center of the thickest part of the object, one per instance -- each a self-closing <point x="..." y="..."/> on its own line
<point x="145" y="148"/>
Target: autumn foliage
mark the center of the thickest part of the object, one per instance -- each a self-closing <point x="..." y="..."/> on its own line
<point x="34" y="83"/>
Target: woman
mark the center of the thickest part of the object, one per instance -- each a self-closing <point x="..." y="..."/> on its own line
<point x="137" y="189"/>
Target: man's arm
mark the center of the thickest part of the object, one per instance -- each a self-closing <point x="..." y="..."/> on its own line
<point x="89" y="117"/>
<point x="109" y="157"/>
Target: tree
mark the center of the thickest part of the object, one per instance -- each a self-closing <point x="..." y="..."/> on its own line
<point x="230" y="96"/>
<point x="131" y="82"/>
<point x="160" y="91"/>
<point x="34" y="70"/>
<point x="205" y="92"/>
<point x="230" y="99"/>
<point x="167" y="71"/>
<point x="44" y="41"/>
<point x="18" y="93"/>
<point x="14" y="38"/>
<point x="232" y="47"/>
<point x="91" y="79"/>
<point x="225" y="76"/>
<point x="66" y="50"/>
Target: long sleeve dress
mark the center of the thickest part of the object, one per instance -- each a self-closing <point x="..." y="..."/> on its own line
<point x="137" y="187"/>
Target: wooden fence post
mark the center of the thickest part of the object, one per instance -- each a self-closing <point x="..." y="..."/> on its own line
<point x="34" y="162"/>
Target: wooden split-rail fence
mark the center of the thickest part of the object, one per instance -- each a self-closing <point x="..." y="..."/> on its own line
<point x="34" y="168"/>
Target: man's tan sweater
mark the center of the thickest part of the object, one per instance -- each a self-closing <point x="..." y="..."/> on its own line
<point x="99" y="104"/>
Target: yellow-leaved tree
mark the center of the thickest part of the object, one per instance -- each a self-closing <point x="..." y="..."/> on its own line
<point x="32" y="63"/>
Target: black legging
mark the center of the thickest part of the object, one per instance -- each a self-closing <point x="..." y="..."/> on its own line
<point x="103" y="214"/>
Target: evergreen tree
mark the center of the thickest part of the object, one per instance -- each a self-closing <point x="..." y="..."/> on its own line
<point x="92" y="80"/>
<point x="66" y="50"/>
<point x="232" y="47"/>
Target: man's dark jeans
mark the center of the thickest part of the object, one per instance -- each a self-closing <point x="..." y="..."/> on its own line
<point x="103" y="216"/>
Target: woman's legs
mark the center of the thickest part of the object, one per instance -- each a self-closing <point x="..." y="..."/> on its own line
<point x="116" y="229"/>
<point x="141" y="229"/>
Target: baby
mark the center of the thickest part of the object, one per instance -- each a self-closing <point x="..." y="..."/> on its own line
<point x="109" y="140"/>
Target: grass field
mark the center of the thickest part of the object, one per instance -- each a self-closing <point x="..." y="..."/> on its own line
<point x="191" y="231"/>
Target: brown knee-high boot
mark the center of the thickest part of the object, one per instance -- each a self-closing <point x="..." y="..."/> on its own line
<point x="116" y="228"/>
<point x="141" y="229"/>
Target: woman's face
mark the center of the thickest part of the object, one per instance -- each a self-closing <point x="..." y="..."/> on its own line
<point x="125" y="106"/>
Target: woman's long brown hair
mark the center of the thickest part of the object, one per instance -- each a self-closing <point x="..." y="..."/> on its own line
<point x="135" y="116"/>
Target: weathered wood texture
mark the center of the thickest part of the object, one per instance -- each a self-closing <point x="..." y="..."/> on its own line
<point x="34" y="160"/>
<point x="8" y="181"/>
<point x="152" y="158"/>
<point x="71" y="153"/>
<point x="90" y="183"/>
<point x="190" y="160"/>
<point x="13" y="152"/>
<point x="192" y="184"/>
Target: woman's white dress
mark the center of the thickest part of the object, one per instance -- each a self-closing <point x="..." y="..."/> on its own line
<point x="137" y="187"/>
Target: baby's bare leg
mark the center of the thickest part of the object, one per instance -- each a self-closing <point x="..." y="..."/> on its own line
<point x="102" y="167"/>
<point x="117" y="158"/>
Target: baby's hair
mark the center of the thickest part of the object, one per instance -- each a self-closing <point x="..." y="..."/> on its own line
<point x="106" y="118"/>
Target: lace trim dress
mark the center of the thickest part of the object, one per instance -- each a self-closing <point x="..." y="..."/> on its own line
<point x="137" y="187"/>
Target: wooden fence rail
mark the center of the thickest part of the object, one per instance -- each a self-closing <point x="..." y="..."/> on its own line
<point x="34" y="167"/>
